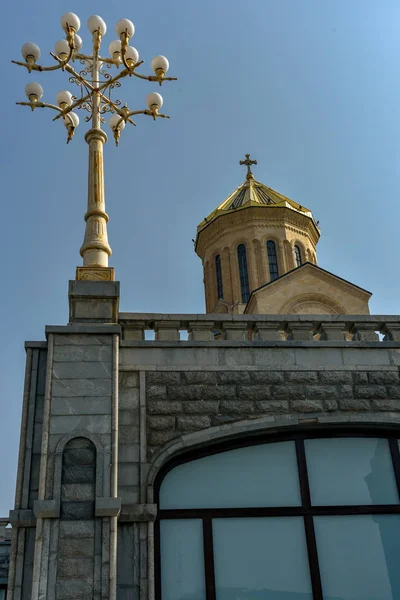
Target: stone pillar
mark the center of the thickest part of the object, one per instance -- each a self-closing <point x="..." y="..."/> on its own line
<point x="226" y="275"/>
<point x="238" y="331"/>
<point x="66" y="547"/>
<point x="252" y="266"/>
<point x="22" y="517"/>
<point x="280" y="256"/>
<point x="77" y="506"/>
<point x="208" y="287"/>
<point x="332" y="332"/>
<point x="200" y="331"/>
<point x="265" y="264"/>
<point x="93" y="301"/>
<point x="236" y="295"/>
<point x="300" y="330"/>
<point x="289" y="256"/>
<point x="212" y="282"/>
<point x="167" y="330"/>
<point x="95" y="249"/>
<point x="292" y="255"/>
<point x="261" y="277"/>
<point x="268" y="331"/>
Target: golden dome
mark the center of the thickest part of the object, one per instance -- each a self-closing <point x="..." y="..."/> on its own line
<point x="253" y="193"/>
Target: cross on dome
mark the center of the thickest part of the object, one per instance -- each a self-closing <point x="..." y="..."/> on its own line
<point x="248" y="162"/>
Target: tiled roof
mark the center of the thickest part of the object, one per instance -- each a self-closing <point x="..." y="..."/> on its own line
<point x="253" y="193"/>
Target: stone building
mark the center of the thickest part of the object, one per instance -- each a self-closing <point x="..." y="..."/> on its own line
<point x="5" y="543"/>
<point x="250" y="452"/>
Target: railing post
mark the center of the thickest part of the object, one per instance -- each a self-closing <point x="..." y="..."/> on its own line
<point x="301" y="331"/>
<point x="365" y="332"/>
<point x="200" y="331"/>
<point x="167" y="331"/>
<point x="392" y="332"/>
<point x="332" y="332"/>
<point x="267" y="331"/>
<point x="237" y="332"/>
<point x="134" y="332"/>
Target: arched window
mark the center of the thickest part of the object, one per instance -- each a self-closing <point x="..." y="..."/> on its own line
<point x="243" y="274"/>
<point x="77" y="506"/>
<point x="218" y="273"/>
<point x="297" y="255"/>
<point x="272" y="260"/>
<point x="299" y="518"/>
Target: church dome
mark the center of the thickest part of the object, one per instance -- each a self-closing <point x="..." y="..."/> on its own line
<point x="253" y="193"/>
<point x="254" y="236"/>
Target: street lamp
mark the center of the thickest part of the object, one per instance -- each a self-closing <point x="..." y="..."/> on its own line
<point x="96" y="85"/>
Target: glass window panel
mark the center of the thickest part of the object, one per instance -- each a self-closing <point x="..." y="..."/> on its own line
<point x="272" y="260"/>
<point x="2" y="594"/>
<point x="263" y="475"/>
<point x="298" y="256"/>
<point x="359" y="556"/>
<point x="243" y="274"/>
<point x="182" y="560"/>
<point x="218" y="272"/>
<point x="350" y="471"/>
<point x="261" y="559"/>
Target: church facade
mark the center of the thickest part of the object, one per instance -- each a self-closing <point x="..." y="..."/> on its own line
<point x="250" y="452"/>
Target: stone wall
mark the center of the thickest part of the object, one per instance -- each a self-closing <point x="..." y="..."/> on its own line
<point x="182" y="402"/>
<point x="76" y="554"/>
<point x="128" y="438"/>
<point x="5" y="542"/>
<point x="140" y="403"/>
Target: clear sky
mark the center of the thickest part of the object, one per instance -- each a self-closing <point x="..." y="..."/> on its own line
<point x="310" y="88"/>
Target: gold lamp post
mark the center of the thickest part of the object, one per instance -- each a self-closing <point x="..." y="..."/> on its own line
<point x="96" y="85"/>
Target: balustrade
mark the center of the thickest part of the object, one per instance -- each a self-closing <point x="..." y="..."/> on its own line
<point x="259" y="328"/>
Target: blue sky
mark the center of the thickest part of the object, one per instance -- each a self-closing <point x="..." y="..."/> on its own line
<point x="310" y="88"/>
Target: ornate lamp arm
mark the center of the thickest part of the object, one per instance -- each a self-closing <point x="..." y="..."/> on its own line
<point x="154" y="78"/>
<point x="34" y="105"/>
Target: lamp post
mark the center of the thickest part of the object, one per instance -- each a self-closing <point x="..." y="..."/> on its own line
<point x="96" y="85"/>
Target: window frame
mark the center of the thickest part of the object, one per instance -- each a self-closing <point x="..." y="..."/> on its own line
<point x="218" y="277"/>
<point x="273" y="264"/>
<point x="307" y="511"/>
<point x="243" y="273"/>
<point x="297" y="255"/>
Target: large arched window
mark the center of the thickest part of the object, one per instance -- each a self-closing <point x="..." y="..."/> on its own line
<point x="297" y="254"/>
<point x="272" y="260"/>
<point x="243" y="274"/>
<point x="301" y="518"/>
<point x="218" y="274"/>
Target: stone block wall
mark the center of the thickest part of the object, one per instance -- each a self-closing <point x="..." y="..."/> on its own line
<point x="135" y="404"/>
<point x="184" y="396"/>
<point x="183" y="402"/>
<point x="65" y="515"/>
<point x="76" y="555"/>
<point x="4" y="560"/>
<point x="128" y="438"/>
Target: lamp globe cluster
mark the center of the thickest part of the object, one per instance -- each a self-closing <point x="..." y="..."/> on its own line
<point x="93" y="79"/>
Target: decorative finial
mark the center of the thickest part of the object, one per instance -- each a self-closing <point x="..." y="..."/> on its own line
<point x="248" y="164"/>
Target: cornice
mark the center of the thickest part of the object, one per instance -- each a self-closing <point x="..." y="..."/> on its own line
<point x="288" y="279"/>
<point x="255" y="218"/>
<point x="258" y="213"/>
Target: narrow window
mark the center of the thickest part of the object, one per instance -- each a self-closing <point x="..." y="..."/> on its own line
<point x="243" y="274"/>
<point x="218" y="272"/>
<point x="297" y="254"/>
<point x="272" y="260"/>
